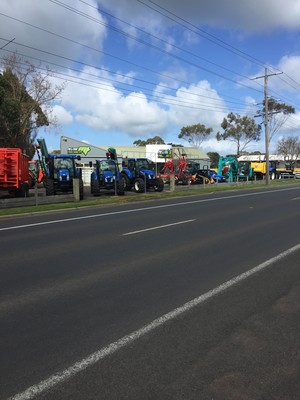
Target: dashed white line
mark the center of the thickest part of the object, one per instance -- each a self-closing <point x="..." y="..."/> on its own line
<point x="158" y="227"/>
<point x="92" y="359"/>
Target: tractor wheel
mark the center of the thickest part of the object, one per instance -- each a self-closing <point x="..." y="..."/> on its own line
<point x="49" y="186"/>
<point x="121" y="185"/>
<point x="184" y="180"/>
<point x="95" y="187"/>
<point x="81" y="189"/>
<point x="23" y="191"/>
<point x="31" y="182"/>
<point x="92" y="183"/>
<point x="139" y="185"/>
<point x="159" y="187"/>
<point x="272" y="175"/>
<point x="128" y="185"/>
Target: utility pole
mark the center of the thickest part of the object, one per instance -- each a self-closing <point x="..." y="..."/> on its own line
<point x="266" y="121"/>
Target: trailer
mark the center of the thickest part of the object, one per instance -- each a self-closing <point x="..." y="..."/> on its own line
<point x="14" y="172"/>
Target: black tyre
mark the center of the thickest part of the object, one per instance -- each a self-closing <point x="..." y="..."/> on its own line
<point x="139" y="185"/>
<point x="23" y="191"/>
<point x="159" y="187"/>
<point x="272" y="175"/>
<point x="95" y="187"/>
<point x="49" y="186"/>
<point x="121" y="187"/>
<point x="81" y="189"/>
<point x="127" y="181"/>
<point x="184" y="180"/>
<point x="92" y="183"/>
<point x="31" y="182"/>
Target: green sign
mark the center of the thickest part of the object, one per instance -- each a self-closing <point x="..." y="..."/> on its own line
<point x="165" y="153"/>
<point x="79" y="150"/>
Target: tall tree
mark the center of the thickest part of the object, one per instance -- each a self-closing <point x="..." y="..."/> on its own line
<point x="154" y="140"/>
<point x="290" y="148"/>
<point x="195" y="134"/>
<point x="240" y="130"/>
<point x="26" y="103"/>
<point x="278" y="114"/>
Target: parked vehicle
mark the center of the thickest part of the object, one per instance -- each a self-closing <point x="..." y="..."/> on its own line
<point x="106" y="176"/>
<point x="233" y="170"/>
<point x="215" y="176"/>
<point x="228" y="168"/>
<point x="285" y="170"/>
<point x="245" y="171"/>
<point x="138" y="174"/>
<point x="60" y="170"/>
<point x="260" y="169"/>
<point x="36" y="174"/>
<point x="14" y="172"/>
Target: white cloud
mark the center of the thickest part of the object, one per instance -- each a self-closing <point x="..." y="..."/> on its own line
<point x="105" y="108"/>
<point x="62" y="116"/>
<point x="290" y="65"/>
<point x="198" y="103"/>
<point x="247" y="16"/>
<point x="23" y="16"/>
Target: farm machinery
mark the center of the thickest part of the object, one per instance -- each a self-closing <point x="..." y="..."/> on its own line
<point x="206" y="176"/>
<point x="36" y="174"/>
<point x="14" y="172"/>
<point x="137" y="174"/>
<point x="177" y="165"/>
<point x="233" y="170"/>
<point x="106" y="175"/>
<point x="228" y="167"/>
<point x="59" y="171"/>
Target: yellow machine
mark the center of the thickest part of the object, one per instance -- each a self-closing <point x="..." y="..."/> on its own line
<point x="260" y="169"/>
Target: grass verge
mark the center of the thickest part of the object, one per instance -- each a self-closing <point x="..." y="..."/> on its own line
<point x="132" y="197"/>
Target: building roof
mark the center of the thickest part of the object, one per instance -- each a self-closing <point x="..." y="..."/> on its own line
<point x="142" y="151"/>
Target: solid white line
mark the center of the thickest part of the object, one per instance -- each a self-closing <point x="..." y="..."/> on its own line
<point x="146" y="208"/>
<point x="92" y="359"/>
<point x="158" y="227"/>
<point x="296" y="198"/>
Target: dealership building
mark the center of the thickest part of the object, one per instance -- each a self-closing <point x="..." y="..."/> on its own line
<point x="156" y="153"/>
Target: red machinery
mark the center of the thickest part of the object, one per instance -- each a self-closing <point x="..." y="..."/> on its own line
<point x="176" y="165"/>
<point x="14" y="172"/>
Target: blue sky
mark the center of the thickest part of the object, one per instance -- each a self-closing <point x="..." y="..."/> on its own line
<point x="134" y="69"/>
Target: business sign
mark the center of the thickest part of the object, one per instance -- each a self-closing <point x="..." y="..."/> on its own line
<point x="164" y="153"/>
<point x="79" y="150"/>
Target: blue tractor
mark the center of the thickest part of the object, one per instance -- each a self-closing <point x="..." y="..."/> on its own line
<point x="59" y="171"/>
<point x="106" y="176"/>
<point x="138" y="174"/>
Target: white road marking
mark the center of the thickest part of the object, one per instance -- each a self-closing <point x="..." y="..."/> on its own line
<point x="92" y="359"/>
<point x="296" y="198"/>
<point x="158" y="227"/>
<point x="145" y="209"/>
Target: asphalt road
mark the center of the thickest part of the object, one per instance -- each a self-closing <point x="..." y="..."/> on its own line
<point x="189" y="298"/>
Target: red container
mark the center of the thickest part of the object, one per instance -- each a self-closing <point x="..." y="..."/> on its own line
<point x="14" y="171"/>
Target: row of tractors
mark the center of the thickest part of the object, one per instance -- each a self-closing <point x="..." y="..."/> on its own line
<point x="136" y="173"/>
<point x="57" y="171"/>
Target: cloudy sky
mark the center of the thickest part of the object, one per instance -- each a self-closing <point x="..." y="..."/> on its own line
<point x="135" y="69"/>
